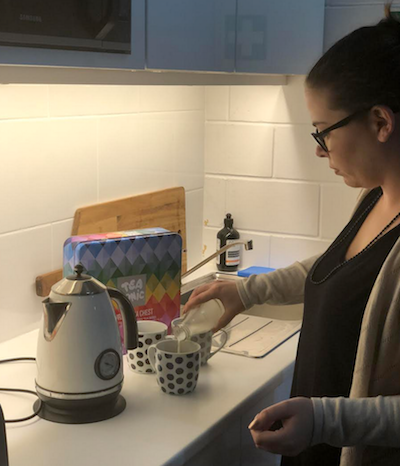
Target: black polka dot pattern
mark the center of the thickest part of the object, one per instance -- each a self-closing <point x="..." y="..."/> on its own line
<point x="138" y="360"/>
<point x="205" y="341"/>
<point x="177" y="375"/>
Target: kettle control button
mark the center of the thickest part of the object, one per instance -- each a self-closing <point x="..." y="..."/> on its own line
<point x="107" y="364"/>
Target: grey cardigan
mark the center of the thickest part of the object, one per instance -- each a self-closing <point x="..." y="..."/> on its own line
<point x="367" y="424"/>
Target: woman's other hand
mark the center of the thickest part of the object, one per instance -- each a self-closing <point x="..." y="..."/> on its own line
<point x="224" y="290"/>
<point x="295" y="434"/>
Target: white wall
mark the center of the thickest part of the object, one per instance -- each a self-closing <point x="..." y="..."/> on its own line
<point x="64" y="147"/>
<point x="261" y="166"/>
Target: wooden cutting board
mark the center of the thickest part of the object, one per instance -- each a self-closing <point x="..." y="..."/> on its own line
<point x="165" y="209"/>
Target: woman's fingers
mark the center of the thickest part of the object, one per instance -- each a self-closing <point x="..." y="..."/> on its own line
<point x="267" y="417"/>
<point x="223" y="290"/>
<point x="295" y="434"/>
<point x="268" y="441"/>
<point x="199" y="296"/>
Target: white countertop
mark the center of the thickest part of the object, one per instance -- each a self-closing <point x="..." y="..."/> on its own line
<point x="155" y="428"/>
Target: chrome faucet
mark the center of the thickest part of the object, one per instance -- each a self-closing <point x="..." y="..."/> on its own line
<point x="248" y="245"/>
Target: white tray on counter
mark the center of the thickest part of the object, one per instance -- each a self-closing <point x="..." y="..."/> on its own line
<point x="255" y="337"/>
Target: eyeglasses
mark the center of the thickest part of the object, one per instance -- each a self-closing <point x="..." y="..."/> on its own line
<point x="320" y="136"/>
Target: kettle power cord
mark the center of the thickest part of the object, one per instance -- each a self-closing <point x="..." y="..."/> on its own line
<point x="21" y="390"/>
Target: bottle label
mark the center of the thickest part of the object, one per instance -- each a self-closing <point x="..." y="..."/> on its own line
<point x="232" y="257"/>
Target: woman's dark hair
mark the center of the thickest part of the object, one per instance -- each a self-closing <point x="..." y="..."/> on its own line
<point x="363" y="68"/>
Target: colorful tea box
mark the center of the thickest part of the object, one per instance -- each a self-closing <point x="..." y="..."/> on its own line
<point x="144" y="264"/>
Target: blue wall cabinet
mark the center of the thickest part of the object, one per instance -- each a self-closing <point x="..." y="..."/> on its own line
<point x="15" y="55"/>
<point x="279" y="36"/>
<point x="196" y="35"/>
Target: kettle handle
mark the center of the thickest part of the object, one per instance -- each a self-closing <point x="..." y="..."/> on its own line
<point x="129" y="318"/>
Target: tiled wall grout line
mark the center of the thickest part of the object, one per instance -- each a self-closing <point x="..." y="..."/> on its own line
<point x="94" y="115"/>
<point x="273" y="153"/>
<point x="48" y="100"/>
<point x="97" y="160"/>
<point x="229" y="103"/>
<point x="270" y="179"/>
<point x="5" y="234"/>
<point x="256" y="123"/>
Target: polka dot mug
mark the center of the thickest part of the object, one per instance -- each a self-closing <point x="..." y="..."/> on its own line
<point x="177" y="371"/>
<point x="149" y="332"/>
<point x="205" y="340"/>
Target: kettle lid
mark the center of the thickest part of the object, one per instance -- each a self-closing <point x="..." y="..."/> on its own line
<point x="78" y="284"/>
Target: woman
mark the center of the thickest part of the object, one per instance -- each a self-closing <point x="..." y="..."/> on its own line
<point x="345" y="401"/>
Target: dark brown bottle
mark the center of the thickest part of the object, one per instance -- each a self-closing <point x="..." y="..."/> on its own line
<point x="229" y="260"/>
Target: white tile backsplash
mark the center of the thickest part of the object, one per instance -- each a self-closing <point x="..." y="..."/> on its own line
<point x="239" y="149"/>
<point x="188" y="153"/>
<point x="337" y="205"/>
<point x="73" y="100"/>
<point x="24" y="255"/>
<point x="294" y="155"/>
<point x="135" y="155"/>
<point x="47" y="170"/>
<point x="286" y="250"/>
<point x="214" y="201"/>
<point x="171" y="98"/>
<point x="217" y="103"/>
<point x="194" y="226"/>
<point x="23" y="101"/>
<point x="60" y="231"/>
<point x="273" y="104"/>
<point x="274" y="206"/>
<point x="257" y="104"/>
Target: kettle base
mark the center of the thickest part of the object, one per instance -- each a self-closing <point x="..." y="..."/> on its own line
<point x="80" y="411"/>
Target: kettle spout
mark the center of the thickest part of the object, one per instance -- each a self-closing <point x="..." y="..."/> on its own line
<point x="53" y="315"/>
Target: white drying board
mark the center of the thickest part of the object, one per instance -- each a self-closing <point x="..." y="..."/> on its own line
<point x="255" y="337"/>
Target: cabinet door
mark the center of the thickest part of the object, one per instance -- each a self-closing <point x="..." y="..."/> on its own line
<point x="251" y="456"/>
<point x="191" y="34"/>
<point x="15" y="55"/>
<point x="279" y="36"/>
<point x="223" y="450"/>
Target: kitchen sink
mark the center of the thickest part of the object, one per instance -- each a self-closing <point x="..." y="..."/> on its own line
<point x="289" y="312"/>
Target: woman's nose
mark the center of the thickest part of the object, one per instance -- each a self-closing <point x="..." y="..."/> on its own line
<point x="319" y="152"/>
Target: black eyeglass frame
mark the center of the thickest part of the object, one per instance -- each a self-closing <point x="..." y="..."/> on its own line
<point x="319" y="136"/>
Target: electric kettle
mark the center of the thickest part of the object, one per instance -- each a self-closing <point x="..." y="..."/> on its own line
<point x="79" y="352"/>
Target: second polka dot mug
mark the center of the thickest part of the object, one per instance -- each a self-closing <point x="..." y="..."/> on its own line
<point x="177" y="371"/>
<point x="205" y="340"/>
<point x="149" y="332"/>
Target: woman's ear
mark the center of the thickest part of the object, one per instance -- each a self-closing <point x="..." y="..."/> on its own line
<point x="384" y="122"/>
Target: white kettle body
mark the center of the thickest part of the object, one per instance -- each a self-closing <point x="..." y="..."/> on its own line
<point x="79" y="353"/>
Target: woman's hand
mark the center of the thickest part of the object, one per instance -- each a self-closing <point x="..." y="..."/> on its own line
<point x="226" y="291"/>
<point x="297" y="418"/>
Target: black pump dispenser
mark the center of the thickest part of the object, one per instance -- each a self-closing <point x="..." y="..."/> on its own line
<point x="229" y="260"/>
<point x="228" y="221"/>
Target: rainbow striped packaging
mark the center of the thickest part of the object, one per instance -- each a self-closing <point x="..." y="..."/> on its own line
<point x="144" y="264"/>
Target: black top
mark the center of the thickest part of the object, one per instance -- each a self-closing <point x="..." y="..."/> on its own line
<point x="333" y="311"/>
